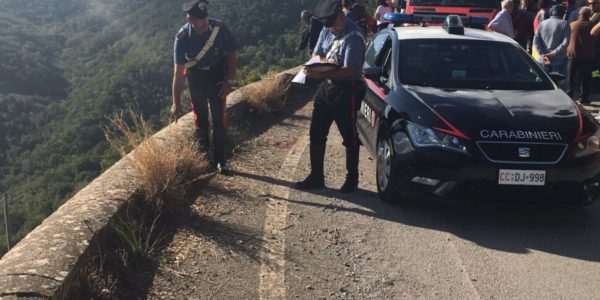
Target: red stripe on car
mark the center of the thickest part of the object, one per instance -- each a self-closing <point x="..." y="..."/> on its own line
<point x="377" y="90"/>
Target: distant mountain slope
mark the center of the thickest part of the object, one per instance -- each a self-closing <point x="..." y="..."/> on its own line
<point x="66" y="64"/>
<point x="27" y="59"/>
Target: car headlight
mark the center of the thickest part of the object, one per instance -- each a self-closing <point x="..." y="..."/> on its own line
<point x="588" y="146"/>
<point x="427" y="137"/>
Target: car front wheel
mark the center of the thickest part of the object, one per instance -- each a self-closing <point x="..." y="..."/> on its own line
<point x="386" y="187"/>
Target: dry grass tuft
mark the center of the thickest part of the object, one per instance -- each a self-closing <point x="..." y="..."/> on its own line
<point x="162" y="168"/>
<point x="269" y="94"/>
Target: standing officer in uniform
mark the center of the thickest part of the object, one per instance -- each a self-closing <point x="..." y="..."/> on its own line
<point x="206" y="55"/>
<point x="338" y="97"/>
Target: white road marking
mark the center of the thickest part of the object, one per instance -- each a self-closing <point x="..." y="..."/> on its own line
<point x="463" y="268"/>
<point x="272" y="268"/>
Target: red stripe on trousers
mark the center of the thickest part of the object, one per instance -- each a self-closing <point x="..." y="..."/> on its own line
<point x="224" y="112"/>
<point x="354" y="132"/>
<point x="196" y="125"/>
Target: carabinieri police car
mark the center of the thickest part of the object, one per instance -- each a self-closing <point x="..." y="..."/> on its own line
<point x="465" y="113"/>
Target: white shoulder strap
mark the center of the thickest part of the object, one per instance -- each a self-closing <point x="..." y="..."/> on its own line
<point x="338" y="43"/>
<point x="207" y="46"/>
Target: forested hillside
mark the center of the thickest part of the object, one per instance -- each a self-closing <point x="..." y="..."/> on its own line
<point x="67" y="64"/>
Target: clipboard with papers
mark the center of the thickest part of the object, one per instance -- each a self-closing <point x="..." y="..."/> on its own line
<point x="322" y="67"/>
<point x="316" y="65"/>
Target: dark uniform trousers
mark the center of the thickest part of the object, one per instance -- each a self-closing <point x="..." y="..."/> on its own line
<point x="580" y="77"/>
<point x="336" y="101"/>
<point x="203" y="88"/>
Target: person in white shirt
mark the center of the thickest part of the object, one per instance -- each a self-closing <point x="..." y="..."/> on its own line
<point x="552" y="39"/>
<point x="382" y="8"/>
<point x="502" y="23"/>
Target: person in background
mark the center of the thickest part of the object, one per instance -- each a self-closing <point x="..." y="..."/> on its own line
<point x="551" y="40"/>
<point x="338" y="96"/>
<point x="595" y="6"/>
<point x="357" y="13"/>
<point x="581" y="54"/>
<point x="392" y="4"/>
<point x="383" y="8"/>
<point x="502" y="22"/>
<point x="532" y="8"/>
<point x="571" y="16"/>
<point x="595" y="19"/>
<point x="310" y="35"/>
<point x="347" y="8"/>
<point x="361" y="17"/>
<point x="205" y="54"/>
<point x="572" y="13"/>
<point x="596" y="32"/>
<point x="542" y="14"/>
<point x="523" y="25"/>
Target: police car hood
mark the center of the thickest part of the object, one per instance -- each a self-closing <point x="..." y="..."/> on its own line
<point x="533" y="116"/>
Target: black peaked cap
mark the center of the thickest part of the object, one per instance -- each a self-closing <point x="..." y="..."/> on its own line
<point x="327" y="8"/>
<point x="189" y="5"/>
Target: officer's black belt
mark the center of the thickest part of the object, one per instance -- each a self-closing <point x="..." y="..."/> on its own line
<point x="203" y="69"/>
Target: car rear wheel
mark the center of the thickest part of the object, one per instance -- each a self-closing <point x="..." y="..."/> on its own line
<point x="386" y="187"/>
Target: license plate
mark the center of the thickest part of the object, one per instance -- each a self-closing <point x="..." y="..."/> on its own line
<point x="522" y="177"/>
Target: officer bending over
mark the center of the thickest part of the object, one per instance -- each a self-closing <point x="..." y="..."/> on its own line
<point x="339" y="95"/>
<point x="206" y="55"/>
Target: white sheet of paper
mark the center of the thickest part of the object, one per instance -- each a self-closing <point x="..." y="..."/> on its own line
<point x="301" y="77"/>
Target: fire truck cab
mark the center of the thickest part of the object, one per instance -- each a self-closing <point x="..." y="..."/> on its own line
<point x="480" y="8"/>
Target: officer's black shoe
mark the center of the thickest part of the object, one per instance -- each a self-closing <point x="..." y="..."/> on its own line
<point x="223" y="169"/>
<point x="350" y="184"/>
<point x="312" y="182"/>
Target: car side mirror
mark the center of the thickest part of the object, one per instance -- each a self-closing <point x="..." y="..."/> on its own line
<point x="373" y="73"/>
<point x="558" y="78"/>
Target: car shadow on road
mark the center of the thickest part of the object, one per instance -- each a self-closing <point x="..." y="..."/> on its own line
<point x="517" y="228"/>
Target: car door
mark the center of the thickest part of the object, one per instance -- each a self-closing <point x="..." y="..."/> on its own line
<point x="378" y="57"/>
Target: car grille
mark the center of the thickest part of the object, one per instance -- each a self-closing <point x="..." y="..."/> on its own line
<point x="503" y="152"/>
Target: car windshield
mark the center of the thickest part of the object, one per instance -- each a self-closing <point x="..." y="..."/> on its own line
<point x="457" y="3"/>
<point x="469" y="64"/>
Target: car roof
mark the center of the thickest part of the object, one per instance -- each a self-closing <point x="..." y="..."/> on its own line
<point x="438" y="32"/>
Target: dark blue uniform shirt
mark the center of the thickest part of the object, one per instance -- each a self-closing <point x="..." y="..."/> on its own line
<point x="188" y="44"/>
<point x="351" y="52"/>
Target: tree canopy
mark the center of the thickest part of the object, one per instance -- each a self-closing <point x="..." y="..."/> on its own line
<point x="67" y="64"/>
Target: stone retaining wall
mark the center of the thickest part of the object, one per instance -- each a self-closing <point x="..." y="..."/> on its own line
<point x="48" y="257"/>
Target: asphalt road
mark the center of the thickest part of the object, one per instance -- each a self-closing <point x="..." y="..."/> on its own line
<point x="432" y="249"/>
<point x="261" y="239"/>
<point x="364" y="248"/>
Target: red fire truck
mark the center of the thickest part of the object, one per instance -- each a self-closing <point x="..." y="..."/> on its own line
<point x="482" y="8"/>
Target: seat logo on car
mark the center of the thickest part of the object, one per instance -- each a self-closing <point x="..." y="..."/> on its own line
<point x="520" y="135"/>
<point x="524" y="152"/>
